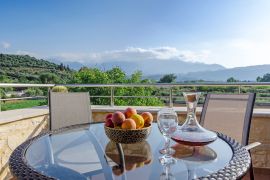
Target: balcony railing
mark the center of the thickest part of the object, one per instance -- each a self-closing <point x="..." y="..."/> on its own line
<point x="169" y="90"/>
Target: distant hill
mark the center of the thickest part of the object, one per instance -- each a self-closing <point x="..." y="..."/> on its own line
<point x="248" y="73"/>
<point x="151" y="66"/>
<point x="23" y="68"/>
<point x="185" y="71"/>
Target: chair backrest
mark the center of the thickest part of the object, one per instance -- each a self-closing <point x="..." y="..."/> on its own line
<point x="69" y="109"/>
<point x="229" y="114"/>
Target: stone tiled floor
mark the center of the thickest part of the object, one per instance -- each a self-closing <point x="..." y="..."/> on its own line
<point x="259" y="174"/>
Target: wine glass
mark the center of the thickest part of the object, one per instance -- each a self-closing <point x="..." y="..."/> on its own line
<point x="167" y="123"/>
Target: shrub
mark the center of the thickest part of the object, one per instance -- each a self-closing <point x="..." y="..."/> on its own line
<point x="59" y="89"/>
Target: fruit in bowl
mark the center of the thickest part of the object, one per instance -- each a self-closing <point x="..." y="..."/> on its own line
<point x="118" y="118"/>
<point x="108" y="120"/>
<point x="148" y="118"/>
<point x="138" y="119"/>
<point x="128" y="124"/>
<point x="130" y="111"/>
<point x="128" y="127"/>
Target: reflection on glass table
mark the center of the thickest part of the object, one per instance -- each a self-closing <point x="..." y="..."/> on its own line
<point x="197" y="159"/>
<point x="167" y="174"/>
<point x="128" y="157"/>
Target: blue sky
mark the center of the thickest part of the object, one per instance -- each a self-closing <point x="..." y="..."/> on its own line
<point x="228" y="32"/>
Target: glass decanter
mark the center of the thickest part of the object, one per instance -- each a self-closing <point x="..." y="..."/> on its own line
<point x="191" y="132"/>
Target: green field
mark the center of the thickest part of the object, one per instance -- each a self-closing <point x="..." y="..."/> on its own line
<point x="10" y="105"/>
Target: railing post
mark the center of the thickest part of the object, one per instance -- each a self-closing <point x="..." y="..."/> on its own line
<point x="239" y="89"/>
<point x="112" y="96"/>
<point x="171" y="99"/>
<point x="48" y="99"/>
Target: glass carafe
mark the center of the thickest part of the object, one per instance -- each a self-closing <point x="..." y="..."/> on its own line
<point x="191" y="132"/>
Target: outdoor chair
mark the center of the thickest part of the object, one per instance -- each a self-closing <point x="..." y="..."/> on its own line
<point x="230" y="114"/>
<point x="68" y="109"/>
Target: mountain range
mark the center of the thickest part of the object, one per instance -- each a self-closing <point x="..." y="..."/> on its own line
<point x="185" y="71"/>
<point x="149" y="66"/>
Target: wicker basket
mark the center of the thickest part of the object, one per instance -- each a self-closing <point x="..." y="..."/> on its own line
<point x="127" y="136"/>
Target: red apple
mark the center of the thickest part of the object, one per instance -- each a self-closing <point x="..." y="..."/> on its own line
<point x="109" y="116"/>
<point x="109" y="123"/>
<point x="118" y="118"/>
<point x="130" y="111"/>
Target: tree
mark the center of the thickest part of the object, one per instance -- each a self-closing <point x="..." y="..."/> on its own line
<point x="61" y="67"/>
<point x="136" y="77"/>
<point x="115" y="75"/>
<point x="33" y="92"/>
<point x="46" y="78"/>
<point x="26" y="69"/>
<point x="168" y="78"/>
<point x="265" y="78"/>
<point x="231" y="79"/>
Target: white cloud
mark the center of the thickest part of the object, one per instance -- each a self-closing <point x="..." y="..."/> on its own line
<point x="6" y="45"/>
<point x="137" y="54"/>
<point x="240" y="52"/>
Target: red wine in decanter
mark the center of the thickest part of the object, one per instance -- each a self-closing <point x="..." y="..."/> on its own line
<point x="190" y="143"/>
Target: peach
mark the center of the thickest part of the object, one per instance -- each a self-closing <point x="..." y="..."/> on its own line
<point x="109" y="123"/>
<point x="129" y="112"/>
<point x="138" y="120"/>
<point x="129" y="124"/>
<point x="118" y="118"/>
<point x="148" y="118"/>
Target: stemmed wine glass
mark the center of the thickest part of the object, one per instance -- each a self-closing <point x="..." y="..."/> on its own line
<point x="167" y="123"/>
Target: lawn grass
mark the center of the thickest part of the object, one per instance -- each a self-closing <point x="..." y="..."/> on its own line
<point x="10" y="105"/>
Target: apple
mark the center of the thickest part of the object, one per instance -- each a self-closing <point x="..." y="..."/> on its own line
<point x="109" y="123"/>
<point x="109" y="116"/>
<point x="118" y="118"/>
<point x="129" y="112"/>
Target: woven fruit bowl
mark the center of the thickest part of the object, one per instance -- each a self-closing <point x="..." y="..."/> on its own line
<point x="127" y="136"/>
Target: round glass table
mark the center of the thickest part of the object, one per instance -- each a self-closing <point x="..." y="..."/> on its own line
<point x="85" y="152"/>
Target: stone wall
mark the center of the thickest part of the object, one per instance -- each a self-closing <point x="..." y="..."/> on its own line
<point x="14" y="132"/>
<point x="260" y="132"/>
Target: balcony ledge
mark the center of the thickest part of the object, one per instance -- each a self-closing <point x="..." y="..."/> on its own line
<point x="20" y="114"/>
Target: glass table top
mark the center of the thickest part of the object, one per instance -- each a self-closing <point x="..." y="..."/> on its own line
<point x="87" y="153"/>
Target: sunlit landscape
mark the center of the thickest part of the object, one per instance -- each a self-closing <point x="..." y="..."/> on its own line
<point x="139" y="54"/>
